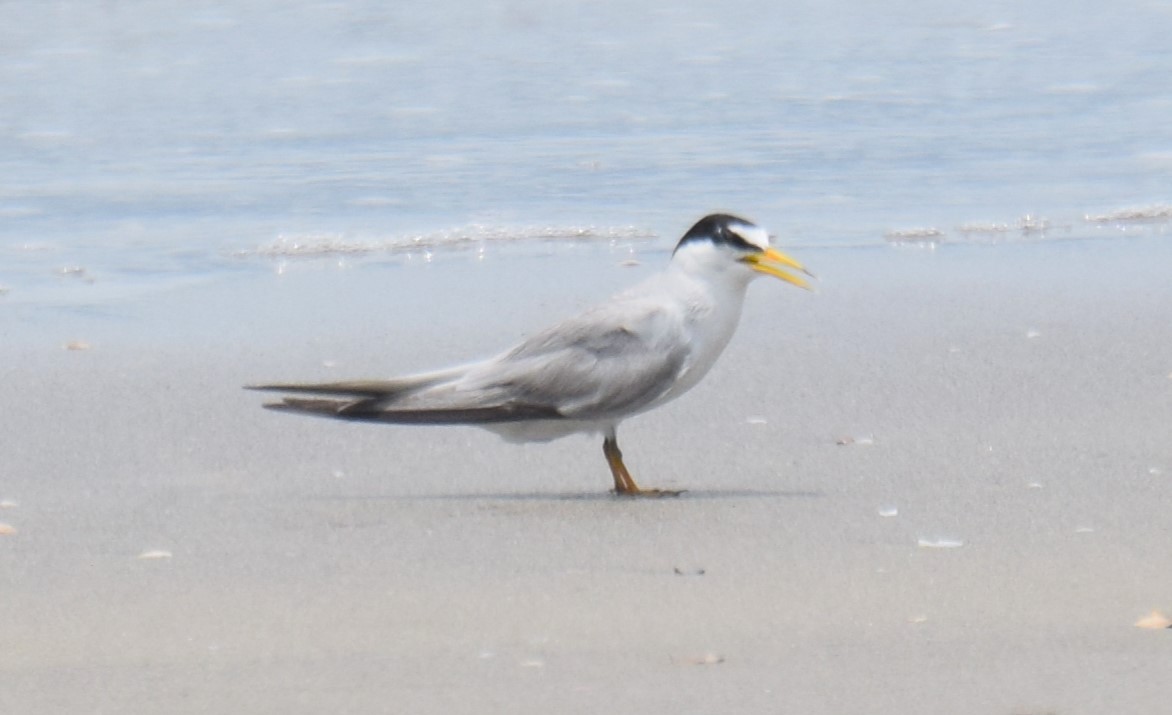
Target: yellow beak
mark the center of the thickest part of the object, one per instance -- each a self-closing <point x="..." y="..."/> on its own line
<point x="771" y="261"/>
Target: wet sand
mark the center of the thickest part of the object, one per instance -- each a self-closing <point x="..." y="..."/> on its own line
<point x="983" y="542"/>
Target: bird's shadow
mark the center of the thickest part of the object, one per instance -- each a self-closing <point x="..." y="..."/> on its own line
<point x="686" y="496"/>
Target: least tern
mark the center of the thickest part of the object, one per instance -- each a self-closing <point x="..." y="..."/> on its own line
<point x="640" y="349"/>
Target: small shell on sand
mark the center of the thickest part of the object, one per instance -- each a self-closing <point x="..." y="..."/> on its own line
<point x="1154" y="621"/>
<point x="77" y="345"/>
<point x="706" y="659"/>
<point x="865" y="441"/>
<point x="7" y="529"/>
<point x="941" y="543"/>
<point x="155" y="554"/>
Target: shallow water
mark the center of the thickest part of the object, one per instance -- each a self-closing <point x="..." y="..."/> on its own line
<point x="146" y="145"/>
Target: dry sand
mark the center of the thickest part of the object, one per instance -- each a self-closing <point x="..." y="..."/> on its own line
<point x="999" y="520"/>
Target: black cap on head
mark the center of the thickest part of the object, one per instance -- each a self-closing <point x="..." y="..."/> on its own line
<point x="719" y="229"/>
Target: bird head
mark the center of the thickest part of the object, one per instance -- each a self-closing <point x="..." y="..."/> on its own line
<point x="719" y="241"/>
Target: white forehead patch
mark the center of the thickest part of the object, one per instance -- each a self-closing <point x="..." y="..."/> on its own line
<point x="750" y="234"/>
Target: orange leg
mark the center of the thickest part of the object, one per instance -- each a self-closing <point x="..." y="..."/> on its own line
<point x="624" y="484"/>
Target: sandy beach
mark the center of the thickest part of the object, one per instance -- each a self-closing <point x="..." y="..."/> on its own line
<point x="938" y="485"/>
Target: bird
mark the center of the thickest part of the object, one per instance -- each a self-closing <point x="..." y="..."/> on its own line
<point x="643" y="347"/>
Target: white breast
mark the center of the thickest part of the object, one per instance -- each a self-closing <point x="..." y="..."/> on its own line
<point x="714" y="311"/>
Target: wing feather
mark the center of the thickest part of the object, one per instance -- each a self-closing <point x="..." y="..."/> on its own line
<point x="366" y="388"/>
<point x="363" y="411"/>
<point x="611" y="361"/>
<point x="605" y="362"/>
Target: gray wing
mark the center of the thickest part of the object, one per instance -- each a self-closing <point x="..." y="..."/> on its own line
<point x="385" y="389"/>
<point x="613" y="360"/>
<point x="407" y="400"/>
